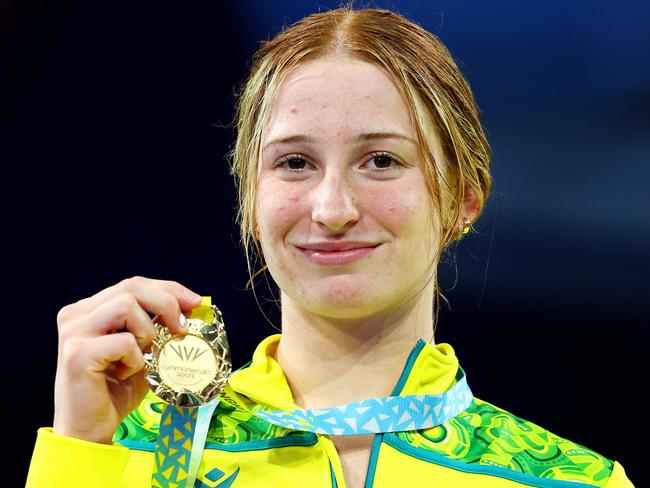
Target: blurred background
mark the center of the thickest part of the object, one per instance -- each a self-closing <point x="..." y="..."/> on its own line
<point x="116" y="117"/>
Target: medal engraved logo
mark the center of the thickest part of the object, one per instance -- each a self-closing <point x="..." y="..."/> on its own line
<point x="187" y="363"/>
<point x="188" y="354"/>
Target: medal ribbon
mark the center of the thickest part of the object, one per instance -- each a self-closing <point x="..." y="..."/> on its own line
<point x="373" y="416"/>
<point x="179" y="449"/>
<point x="183" y="431"/>
<point x="182" y="434"/>
<point x="174" y="446"/>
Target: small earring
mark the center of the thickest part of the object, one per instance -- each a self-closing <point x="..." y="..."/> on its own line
<point x="468" y="226"/>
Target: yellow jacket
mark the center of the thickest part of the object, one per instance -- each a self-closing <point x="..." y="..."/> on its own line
<point x="484" y="446"/>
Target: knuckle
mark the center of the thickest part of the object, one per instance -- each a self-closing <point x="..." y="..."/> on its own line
<point x="133" y="282"/>
<point x="125" y="303"/>
<point x="176" y="287"/>
<point x="72" y="352"/>
<point x="169" y="302"/>
<point x="126" y="342"/>
<point x="69" y="311"/>
<point x="170" y="286"/>
<point x="131" y="347"/>
<point x="64" y="334"/>
<point x="149" y="335"/>
<point x="129" y="340"/>
<point x="63" y="314"/>
<point x="65" y="330"/>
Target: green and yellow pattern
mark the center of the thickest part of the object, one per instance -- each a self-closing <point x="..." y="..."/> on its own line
<point x="229" y="425"/>
<point x="489" y="436"/>
<point x="482" y="435"/>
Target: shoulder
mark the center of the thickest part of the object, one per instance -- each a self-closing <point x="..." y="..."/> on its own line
<point x="487" y="439"/>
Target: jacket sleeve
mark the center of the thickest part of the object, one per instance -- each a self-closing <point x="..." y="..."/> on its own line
<point x="60" y="461"/>
<point x="618" y="478"/>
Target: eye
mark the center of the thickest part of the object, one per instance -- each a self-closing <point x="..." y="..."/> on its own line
<point x="292" y="159"/>
<point x="382" y="160"/>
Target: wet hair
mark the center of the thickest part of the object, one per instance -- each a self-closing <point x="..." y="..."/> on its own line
<point x="425" y="74"/>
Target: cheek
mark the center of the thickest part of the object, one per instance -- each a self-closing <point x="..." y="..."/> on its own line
<point x="278" y="210"/>
<point x="400" y="209"/>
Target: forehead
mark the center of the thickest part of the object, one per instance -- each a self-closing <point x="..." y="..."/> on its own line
<point x="335" y="98"/>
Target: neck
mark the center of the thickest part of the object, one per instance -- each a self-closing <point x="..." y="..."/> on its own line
<point x="333" y="361"/>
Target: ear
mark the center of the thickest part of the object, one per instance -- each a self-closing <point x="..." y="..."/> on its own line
<point x="471" y="207"/>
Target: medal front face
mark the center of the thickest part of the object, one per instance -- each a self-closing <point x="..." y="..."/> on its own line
<point x="187" y="362"/>
<point x="191" y="369"/>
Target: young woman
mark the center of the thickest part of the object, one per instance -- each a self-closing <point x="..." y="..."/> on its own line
<point x="359" y="158"/>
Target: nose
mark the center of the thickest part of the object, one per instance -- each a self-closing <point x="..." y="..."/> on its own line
<point x="333" y="202"/>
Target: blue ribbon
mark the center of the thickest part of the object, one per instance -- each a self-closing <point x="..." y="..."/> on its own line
<point x="183" y="431"/>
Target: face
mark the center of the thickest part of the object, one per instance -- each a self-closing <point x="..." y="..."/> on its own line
<point x="325" y="183"/>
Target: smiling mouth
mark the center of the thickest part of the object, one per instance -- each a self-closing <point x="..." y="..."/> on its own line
<point x="337" y="257"/>
<point x="338" y="250"/>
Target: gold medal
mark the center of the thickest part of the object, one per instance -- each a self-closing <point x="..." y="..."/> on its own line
<point x="191" y="369"/>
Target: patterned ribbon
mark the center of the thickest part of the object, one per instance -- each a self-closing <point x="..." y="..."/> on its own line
<point x="181" y="439"/>
<point x="373" y="416"/>
<point x="200" y="436"/>
<point x="183" y="431"/>
<point x="174" y="447"/>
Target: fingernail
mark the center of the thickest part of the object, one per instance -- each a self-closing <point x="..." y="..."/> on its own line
<point x="182" y="320"/>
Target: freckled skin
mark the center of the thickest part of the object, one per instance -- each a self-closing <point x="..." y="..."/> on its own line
<point x="338" y="194"/>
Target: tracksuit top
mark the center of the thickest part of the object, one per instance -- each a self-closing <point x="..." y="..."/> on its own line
<point x="483" y="446"/>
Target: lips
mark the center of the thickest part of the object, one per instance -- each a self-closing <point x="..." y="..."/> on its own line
<point x="337" y="245"/>
<point x="337" y="257"/>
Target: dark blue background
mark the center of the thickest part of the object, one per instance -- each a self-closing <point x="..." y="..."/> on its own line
<point x="115" y="123"/>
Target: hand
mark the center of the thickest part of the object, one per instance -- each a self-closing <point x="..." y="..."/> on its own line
<point x="100" y="374"/>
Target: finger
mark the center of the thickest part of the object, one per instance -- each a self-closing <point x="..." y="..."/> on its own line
<point x="98" y="355"/>
<point x="162" y="304"/>
<point x="120" y="312"/>
<point x="110" y="349"/>
<point x="149" y="299"/>
<point x="187" y="299"/>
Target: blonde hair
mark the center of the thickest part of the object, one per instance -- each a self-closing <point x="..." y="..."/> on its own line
<point x="424" y="72"/>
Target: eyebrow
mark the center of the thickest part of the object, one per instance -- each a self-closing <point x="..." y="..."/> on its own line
<point x="366" y="136"/>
